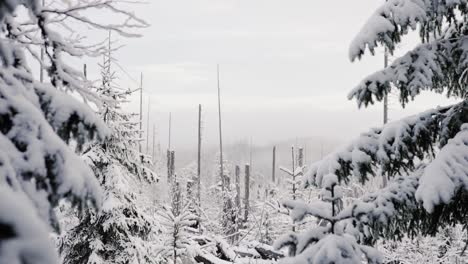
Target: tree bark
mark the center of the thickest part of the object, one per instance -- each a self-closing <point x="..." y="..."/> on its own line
<point x="246" y="192"/>
<point x="273" y="169"/>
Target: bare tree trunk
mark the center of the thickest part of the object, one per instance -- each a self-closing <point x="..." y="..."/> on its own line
<point x="221" y="167"/>
<point x="141" y="112"/>
<point x="238" y="203"/>
<point x="170" y="124"/>
<point x="199" y="159"/>
<point x="147" y="127"/>
<point x="246" y="192"/>
<point x="154" y="142"/>
<point x="238" y="194"/>
<point x="293" y="174"/>
<point x="168" y="158"/>
<point x="273" y="169"/>
<point x="300" y="157"/>
<point x="169" y="153"/>
<point x="170" y="166"/>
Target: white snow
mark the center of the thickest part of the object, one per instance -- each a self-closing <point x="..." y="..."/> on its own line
<point x="446" y="173"/>
<point x="393" y="17"/>
<point x="30" y="238"/>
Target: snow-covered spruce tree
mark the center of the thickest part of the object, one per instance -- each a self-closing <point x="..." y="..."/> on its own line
<point x="176" y="233"/>
<point x="119" y="232"/>
<point x="334" y="240"/>
<point x="294" y="179"/>
<point x="426" y="155"/>
<point x="37" y="120"/>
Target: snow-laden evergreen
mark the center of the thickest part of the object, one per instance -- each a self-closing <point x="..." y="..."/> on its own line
<point x="423" y="155"/>
<point x="177" y="234"/>
<point x="120" y="231"/>
<point x="37" y="120"/>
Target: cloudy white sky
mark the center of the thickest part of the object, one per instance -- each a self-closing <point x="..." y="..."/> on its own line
<point x="285" y="71"/>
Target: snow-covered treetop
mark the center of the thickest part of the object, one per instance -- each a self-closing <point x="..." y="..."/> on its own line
<point x="438" y="64"/>
<point x="394" y="19"/>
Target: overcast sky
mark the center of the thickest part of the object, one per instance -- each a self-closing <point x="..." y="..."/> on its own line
<point x="285" y="71"/>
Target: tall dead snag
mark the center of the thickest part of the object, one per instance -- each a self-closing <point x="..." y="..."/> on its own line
<point x="300" y="158"/>
<point x="168" y="158"/>
<point x="273" y="168"/>
<point x="141" y="111"/>
<point x="246" y="192"/>
<point x="221" y="169"/>
<point x="199" y="159"/>
<point x="238" y="201"/>
<point x="156" y="151"/>
<point x="170" y="166"/>
<point x="148" y="127"/>
<point x="238" y="194"/>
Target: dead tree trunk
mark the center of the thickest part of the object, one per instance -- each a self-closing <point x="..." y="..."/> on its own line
<point x="199" y="159"/>
<point x="168" y="158"/>
<point x="154" y="142"/>
<point x="238" y="194"/>
<point x="294" y="190"/>
<point x="273" y="169"/>
<point x="221" y="169"/>
<point x="148" y="127"/>
<point x="238" y="201"/>
<point x="300" y="157"/>
<point x="246" y="192"/>
<point x="170" y="166"/>
<point x="141" y="112"/>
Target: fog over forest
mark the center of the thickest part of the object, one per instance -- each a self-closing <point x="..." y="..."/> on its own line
<point x="233" y="132"/>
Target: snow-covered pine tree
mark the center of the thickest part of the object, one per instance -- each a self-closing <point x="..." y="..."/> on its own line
<point x="334" y="240"/>
<point x="119" y="232"/>
<point x="38" y="169"/>
<point x="176" y="233"/>
<point x="294" y="179"/>
<point x="425" y="155"/>
<point x="294" y="176"/>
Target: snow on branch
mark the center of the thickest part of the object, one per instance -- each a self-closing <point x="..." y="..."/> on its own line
<point x="387" y="25"/>
<point x="300" y="209"/>
<point x="437" y="66"/>
<point x="395" y="18"/>
<point x="394" y="147"/>
<point x="447" y="173"/>
<point x="23" y="235"/>
<point x="129" y="20"/>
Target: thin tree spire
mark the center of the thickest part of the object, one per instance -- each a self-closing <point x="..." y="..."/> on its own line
<point x="141" y="111"/>
<point x="220" y="132"/>
<point x="148" y="125"/>
<point x="170" y="124"/>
